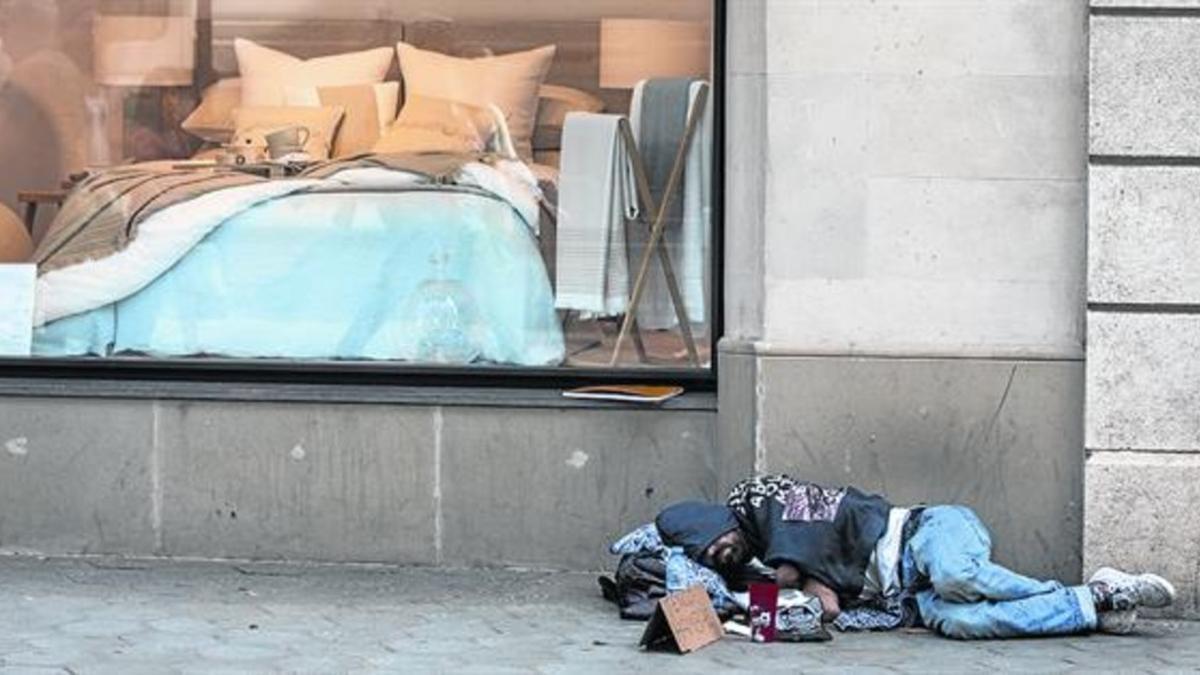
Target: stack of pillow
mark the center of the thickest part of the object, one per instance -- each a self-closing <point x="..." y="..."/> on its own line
<point x="450" y="104"/>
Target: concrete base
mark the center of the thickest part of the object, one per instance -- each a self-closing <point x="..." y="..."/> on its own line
<point x="1141" y="516"/>
<point x="1004" y="437"/>
<point x="357" y="483"/>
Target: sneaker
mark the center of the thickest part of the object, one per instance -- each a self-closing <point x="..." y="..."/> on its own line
<point x="1130" y="591"/>
<point x="1116" y="623"/>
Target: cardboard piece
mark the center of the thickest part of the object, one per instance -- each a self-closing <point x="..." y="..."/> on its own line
<point x="683" y="622"/>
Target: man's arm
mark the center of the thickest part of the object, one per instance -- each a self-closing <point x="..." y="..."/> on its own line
<point x="829" y="600"/>
<point x="788" y="575"/>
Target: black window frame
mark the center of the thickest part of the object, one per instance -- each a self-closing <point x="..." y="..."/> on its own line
<point x="390" y="373"/>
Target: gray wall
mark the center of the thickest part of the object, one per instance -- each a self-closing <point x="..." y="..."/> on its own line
<point x="906" y="256"/>
<point x="1143" y="376"/>
<point x="342" y="482"/>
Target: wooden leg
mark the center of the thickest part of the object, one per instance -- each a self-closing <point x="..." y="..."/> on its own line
<point x="638" y="344"/>
<point x="31" y="209"/>
<point x="656" y="230"/>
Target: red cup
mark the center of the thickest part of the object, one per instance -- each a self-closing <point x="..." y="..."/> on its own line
<point x="764" y="602"/>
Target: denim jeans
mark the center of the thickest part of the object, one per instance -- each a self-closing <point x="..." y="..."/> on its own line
<point x="963" y="594"/>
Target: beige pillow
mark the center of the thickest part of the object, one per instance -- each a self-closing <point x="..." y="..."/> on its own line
<point x="554" y="102"/>
<point x="212" y="120"/>
<point x="510" y="81"/>
<point x="266" y="73"/>
<point x="370" y="108"/>
<point x="254" y="123"/>
<point x="437" y="125"/>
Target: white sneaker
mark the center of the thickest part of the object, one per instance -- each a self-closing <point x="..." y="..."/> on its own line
<point x="1117" y="623"/>
<point x="1131" y="591"/>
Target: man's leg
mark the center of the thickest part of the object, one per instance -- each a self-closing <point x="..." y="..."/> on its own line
<point x="953" y="550"/>
<point x="1059" y="612"/>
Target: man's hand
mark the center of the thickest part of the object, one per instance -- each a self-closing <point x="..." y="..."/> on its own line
<point x="787" y="576"/>
<point x="829" y="599"/>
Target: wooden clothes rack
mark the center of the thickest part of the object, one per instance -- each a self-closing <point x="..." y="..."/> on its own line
<point x="655" y="245"/>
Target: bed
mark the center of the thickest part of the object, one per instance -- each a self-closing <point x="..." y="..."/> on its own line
<point x="370" y="262"/>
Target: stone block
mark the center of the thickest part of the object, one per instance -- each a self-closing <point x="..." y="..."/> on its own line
<point x="310" y="482"/>
<point x="745" y="201"/>
<point x="999" y="37"/>
<point x="1003" y="437"/>
<point x="1145" y="72"/>
<point x="746" y="43"/>
<point x="1143" y="381"/>
<point x="976" y="126"/>
<point x="936" y="317"/>
<point x="75" y="476"/>
<point x="1147" y="3"/>
<point x="556" y="487"/>
<point x="1141" y="517"/>
<point x="971" y="230"/>
<point x="1143" y="234"/>
<point x="737" y="411"/>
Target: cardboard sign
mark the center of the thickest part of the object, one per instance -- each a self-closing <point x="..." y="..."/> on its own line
<point x="16" y="309"/>
<point x="683" y="622"/>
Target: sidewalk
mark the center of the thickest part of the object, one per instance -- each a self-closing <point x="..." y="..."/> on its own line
<point x="120" y="616"/>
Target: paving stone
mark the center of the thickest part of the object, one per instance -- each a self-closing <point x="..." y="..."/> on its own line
<point x="327" y="619"/>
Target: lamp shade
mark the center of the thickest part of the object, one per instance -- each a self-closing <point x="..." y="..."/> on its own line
<point x="632" y="50"/>
<point x="144" y="51"/>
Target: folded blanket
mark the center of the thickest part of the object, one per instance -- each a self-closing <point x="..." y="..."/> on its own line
<point x="659" y="114"/>
<point x="102" y="214"/>
<point x="596" y="194"/>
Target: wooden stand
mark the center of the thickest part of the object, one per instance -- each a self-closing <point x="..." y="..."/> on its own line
<point x="657" y="226"/>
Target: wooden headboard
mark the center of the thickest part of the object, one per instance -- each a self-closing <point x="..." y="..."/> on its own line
<point x="576" y="63"/>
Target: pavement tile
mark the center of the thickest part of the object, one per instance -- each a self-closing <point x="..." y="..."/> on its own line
<point x="165" y="617"/>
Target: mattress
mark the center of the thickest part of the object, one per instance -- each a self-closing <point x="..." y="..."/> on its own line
<point x="356" y="275"/>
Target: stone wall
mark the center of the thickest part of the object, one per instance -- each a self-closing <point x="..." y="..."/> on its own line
<point x="1143" y="374"/>
<point x="906" y="256"/>
<point x="457" y="485"/>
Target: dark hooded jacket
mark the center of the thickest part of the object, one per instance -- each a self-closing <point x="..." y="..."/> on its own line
<point x="828" y="534"/>
<point x="694" y="525"/>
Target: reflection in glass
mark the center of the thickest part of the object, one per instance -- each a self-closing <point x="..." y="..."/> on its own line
<point x="438" y="202"/>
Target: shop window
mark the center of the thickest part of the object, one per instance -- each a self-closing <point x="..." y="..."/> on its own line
<point x="460" y="183"/>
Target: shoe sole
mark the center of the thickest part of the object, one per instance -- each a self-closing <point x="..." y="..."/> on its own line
<point x="1117" y="623"/>
<point x="1160" y="592"/>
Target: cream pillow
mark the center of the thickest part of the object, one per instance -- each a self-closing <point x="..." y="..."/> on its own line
<point x="266" y="73"/>
<point x="254" y="123"/>
<point x="437" y="125"/>
<point x="370" y="108"/>
<point x="509" y="81"/>
<point x="212" y="120"/>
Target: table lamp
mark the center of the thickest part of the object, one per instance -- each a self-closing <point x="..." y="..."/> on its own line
<point x="155" y="56"/>
<point x="632" y="50"/>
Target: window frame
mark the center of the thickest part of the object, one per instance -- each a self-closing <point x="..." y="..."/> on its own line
<point x="388" y="373"/>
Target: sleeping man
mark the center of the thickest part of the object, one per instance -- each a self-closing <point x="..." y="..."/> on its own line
<point x="874" y="565"/>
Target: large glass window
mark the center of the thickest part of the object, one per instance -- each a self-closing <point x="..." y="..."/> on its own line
<point x="453" y="182"/>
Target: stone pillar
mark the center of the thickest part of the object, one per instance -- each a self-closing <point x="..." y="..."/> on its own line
<point x="1142" y="480"/>
<point x="905" y="256"/>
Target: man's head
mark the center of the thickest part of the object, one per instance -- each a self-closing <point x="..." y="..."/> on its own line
<point x="708" y="533"/>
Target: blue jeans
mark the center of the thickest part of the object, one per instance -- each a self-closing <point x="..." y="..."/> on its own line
<point x="963" y="594"/>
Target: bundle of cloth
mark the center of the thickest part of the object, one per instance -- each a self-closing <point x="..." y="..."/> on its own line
<point x="649" y="569"/>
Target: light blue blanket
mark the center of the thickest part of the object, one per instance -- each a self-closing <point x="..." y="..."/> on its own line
<point x="338" y="276"/>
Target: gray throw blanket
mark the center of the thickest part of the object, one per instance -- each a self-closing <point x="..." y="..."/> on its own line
<point x="660" y="130"/>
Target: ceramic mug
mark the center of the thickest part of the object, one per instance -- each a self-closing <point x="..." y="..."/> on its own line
<point x="286" y="141"/>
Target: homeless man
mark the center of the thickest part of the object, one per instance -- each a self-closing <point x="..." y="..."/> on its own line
<point x="895" y="566"/>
